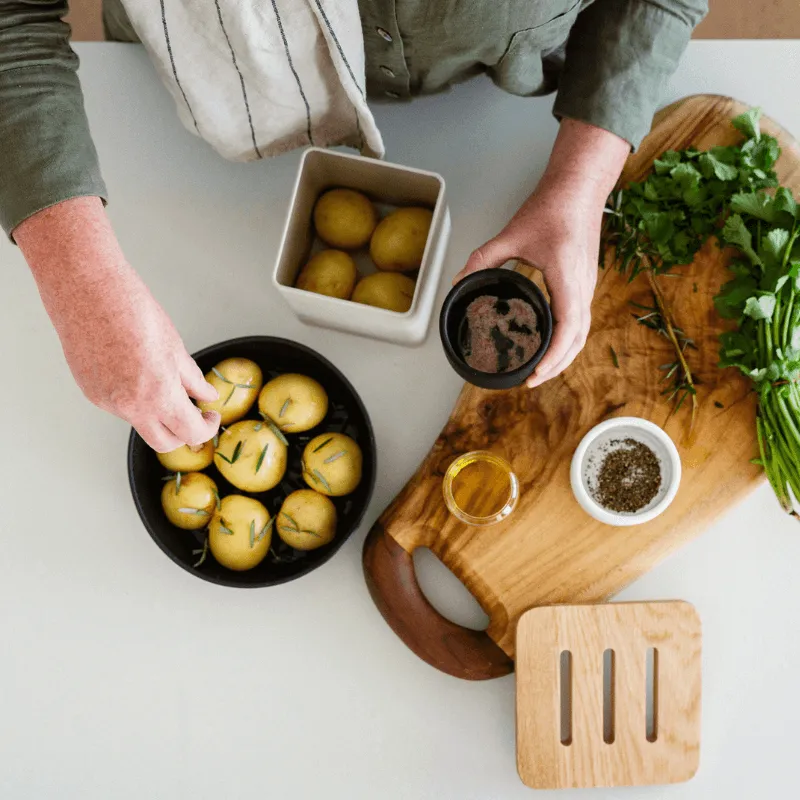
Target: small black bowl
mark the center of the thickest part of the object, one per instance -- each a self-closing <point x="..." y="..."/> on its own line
<point x="346" y="414"/>
<point x="503" y="284"/>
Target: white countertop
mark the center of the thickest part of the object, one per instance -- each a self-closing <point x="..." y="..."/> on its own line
<point x="122" y="676"/>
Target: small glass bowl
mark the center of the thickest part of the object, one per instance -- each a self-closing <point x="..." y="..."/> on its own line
<point x="466" y="460"/>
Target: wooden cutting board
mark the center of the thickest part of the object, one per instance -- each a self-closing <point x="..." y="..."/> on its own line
<point x="549" y="551"/>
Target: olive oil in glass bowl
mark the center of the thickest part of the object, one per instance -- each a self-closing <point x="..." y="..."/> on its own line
<point x="480" y="488"/>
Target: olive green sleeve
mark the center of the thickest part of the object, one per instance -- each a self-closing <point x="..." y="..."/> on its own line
<point x="620" y="54"/>
<point x="46" y="150"/>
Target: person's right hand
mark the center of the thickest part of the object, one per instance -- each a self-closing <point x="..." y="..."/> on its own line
<point x="120" y="345"/>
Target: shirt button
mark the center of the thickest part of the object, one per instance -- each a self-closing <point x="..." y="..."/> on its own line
<point x="384" y="34"/>
<point x="393" y="95"/>
<point x="388" y="72"/>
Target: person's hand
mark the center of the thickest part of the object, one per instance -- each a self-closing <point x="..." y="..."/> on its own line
<point x="120" y="345"/>
<point x="557" y="230"/>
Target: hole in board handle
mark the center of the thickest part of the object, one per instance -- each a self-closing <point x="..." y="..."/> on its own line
<point x="651" y="723"/>
<point x="609" y="678"/>
<point x="565" y="686"/>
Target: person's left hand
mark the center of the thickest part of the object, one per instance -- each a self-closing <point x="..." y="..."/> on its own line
<point x="557" y="230"/>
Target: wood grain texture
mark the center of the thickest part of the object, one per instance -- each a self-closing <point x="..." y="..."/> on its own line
<point x="586" y="632"/>
<point x="549" y="551"/>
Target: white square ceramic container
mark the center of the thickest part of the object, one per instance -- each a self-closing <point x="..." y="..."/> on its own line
<point x="384" y="183"/>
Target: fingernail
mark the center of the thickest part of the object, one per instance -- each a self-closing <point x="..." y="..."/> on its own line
<point x="212" y="417"/>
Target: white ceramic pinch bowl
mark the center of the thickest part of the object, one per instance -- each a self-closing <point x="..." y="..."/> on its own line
<point x="597" y="442"/>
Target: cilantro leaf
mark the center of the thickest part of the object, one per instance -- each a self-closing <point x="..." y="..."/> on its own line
<point x="773" y="245"/>
<point x="735" y="232"/>
<point x="668" y="160"/>
<point x="747" y="123"/>
<point x="784" y="201"/>
<point x="712" y="164"/>
<point x="756" y="204"/>
<point x="760" y="307"/>
<point x="686" y="176"/>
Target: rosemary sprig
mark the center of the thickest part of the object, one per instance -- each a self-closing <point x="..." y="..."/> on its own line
<point x="224" y="528"/>
<point x="683" y="383"/>
<point x="252" y="533"/>
<point x="295" y="524"/>
<point x="285" y="407"/>
<point x="174" y="476"/>
<point x="614" y="359"/>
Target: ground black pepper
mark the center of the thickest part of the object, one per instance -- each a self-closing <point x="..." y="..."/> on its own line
<point x="629" y="477"/>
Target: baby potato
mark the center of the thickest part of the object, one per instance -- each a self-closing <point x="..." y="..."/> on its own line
<point x="251" y="455"/>
<point x="240" y="533"/>
<point x="188" y="459"/>
<point x="307" y="520"/>
<point x="332" y="464"/>
<point x="398" y="243"/>
<point x="344" y="219"/>
<point x="295" y="403"/>
<point x="238" y="381"/>
<point x="389" y="290"/>
<point x="190" y="504"/>
<point x="331" y="272"/>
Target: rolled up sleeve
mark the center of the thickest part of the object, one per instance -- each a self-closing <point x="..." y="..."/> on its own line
<point x="46" y="150"/>
<point x="620" y="53"/>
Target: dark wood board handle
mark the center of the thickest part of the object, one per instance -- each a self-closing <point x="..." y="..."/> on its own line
<point x="451" y="648"/>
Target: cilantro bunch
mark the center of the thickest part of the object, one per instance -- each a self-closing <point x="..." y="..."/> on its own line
<point x="764" y="298"/>
<point x="662" y="221"/>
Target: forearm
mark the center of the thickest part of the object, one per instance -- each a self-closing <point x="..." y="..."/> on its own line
<point x="620" y="54"/>
<point x="46" y="152"/>
<point x="586" y="158"/>
<point x="73" y="254"/>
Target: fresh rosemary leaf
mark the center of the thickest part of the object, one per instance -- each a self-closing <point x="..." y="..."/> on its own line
<point x="311" y="533"/>
<point x="292" y="520"/>
<point x="237" y="451"/>
<point x="223" y="457"/>
<point x="718" y="404"/>
<point x="614" y="359"/>
<point x="198" y="512"/>
<point x="203" y="553"/>
<point x="233" y="389"/>
<point x="224" y="528"/>
<point x="321" y="478"/>
<point x="220" y="375"/>
<point x="177" y="483"/>
<point x="334" y="457"/>
<point x="285" y="407"/>
<point x="252" y="533"/>
<point x="319" y="447"/>
<point x="278" y="433"/>
<point x="265" y="529"/>
<point x="216" y="497"/>
<point x="262" y="457"/>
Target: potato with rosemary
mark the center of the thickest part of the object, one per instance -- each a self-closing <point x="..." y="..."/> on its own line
<point x="189" y="500"/>
<point x="295" y="403"/>
<point x="240" y="533"/>
<point x="188" y="458"/>
<point x="251" y="455"/>
<point x="238" y="381"/>
<point x="332" y="464"/>
<point x="307" y="520"/>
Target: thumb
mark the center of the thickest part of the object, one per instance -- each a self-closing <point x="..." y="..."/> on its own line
<point x="493" y="254"/>
<point x="195" y="382"/>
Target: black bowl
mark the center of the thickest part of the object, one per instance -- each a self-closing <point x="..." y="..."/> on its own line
<point x="346" y="414"/>
<point x="503" y="284"/>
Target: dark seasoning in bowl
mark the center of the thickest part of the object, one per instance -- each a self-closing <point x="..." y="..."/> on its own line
<point x="499" y="335"/>
<point x="627" y="477"/>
